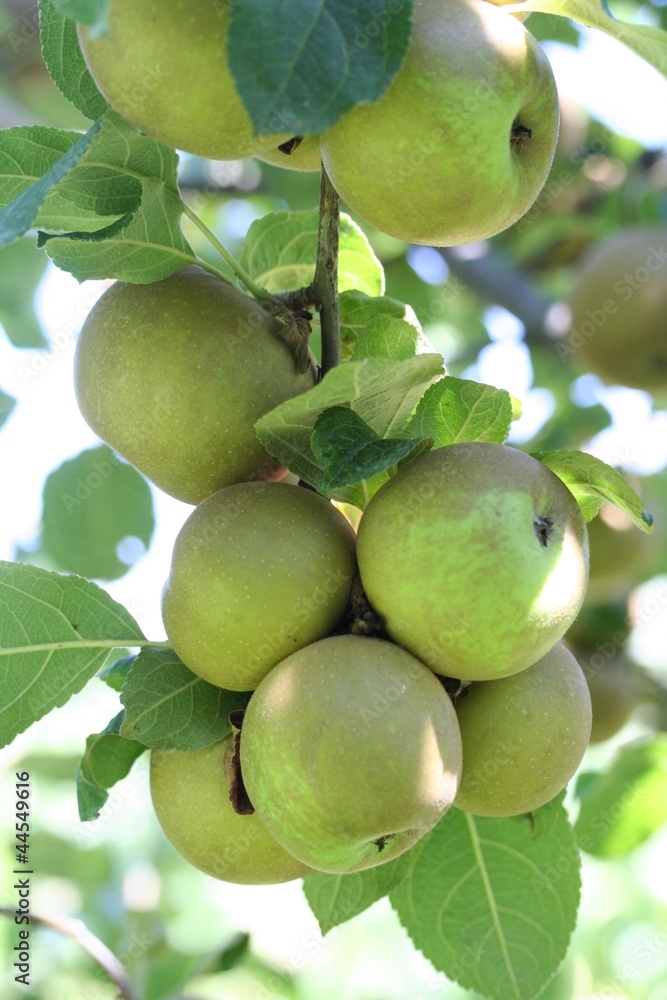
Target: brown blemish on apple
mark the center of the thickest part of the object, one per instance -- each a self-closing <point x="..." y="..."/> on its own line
<point x="382" y="842"/>
<point x="238" y="795"/>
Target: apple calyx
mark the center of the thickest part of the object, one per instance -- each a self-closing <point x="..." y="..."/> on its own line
<point x="543" y="528"/>
<point x="519" y="134"/>
<point x="291" y="145"/>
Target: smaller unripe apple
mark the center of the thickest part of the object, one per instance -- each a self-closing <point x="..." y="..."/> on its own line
<point x="191" y="797"/>
<point x="523" y="736"/>
<point x="258" y="571"/>
<point x="350" y="752"/>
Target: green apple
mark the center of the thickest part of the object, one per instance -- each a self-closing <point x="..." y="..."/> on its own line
<point x="163" y="66"/>
<point x="619" y="555"/>
<point x="615" y="688"/>
<point x="174" y="374"/>
<point x="191" y="797"/>
<point x="258" y="571"/>
<point x="619" y="309"/>
<point x="460" y="145"/>
<point x="476" y="557"/>
<point x="350" y="752"/>
<point x="523" y="736"/>
<point x="299" y="153"/>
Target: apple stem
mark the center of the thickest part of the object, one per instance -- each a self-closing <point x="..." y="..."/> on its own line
<point x="259" y="293"/>
<point x="325" y="283"/>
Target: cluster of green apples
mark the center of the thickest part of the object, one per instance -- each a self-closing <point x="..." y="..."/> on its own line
<point x="458" y="148"/>
<point x="351" y="748"/>
<point x="474" y="558"/>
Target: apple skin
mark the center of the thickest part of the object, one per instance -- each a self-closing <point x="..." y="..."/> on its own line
<point x="305" y="157"/>
<point x="460" y="145"/>
<point x="350" y="752"/>
<point x="163" y="67"/>
<point x="523" y="736"/>
<point x="619" y="309"/>
<point x="452" y="556"/>
<point x="615" y="687"/>
<point x="173" y="375"/>
<point x="258" y="571"/>
<point x="190" y="793"/>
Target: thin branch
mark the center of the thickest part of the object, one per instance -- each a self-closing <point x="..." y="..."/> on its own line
<point x="325" y="284"/>
<point x="98" y="951"/>
<point x="252" y="286"/>
<point x="497" y="281"/>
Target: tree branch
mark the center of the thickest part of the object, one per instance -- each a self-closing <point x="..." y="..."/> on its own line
<point x="97" y="950"/>
<point x="325" y="284"/>
<point x="492" y="278"/>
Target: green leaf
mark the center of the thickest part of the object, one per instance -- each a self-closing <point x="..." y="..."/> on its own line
<point x="21" y="269"/>
<point x="115" y="673"/>
<point x="170" y="708"/>
<point x="280" y="251"/>
<point x="492" y="902"/>
<point x="383" y="392"/>
<point x="350" y="451"/>
<point x="86" y="11"/>
<point x="649" y="43"/>
<point x="90" y="505"/>
<point x="64" y="61"/>
<point x="622" y="808"/>
<point x="7" y="404"/>
<point x="21" y="214"/>
<point x="334" y="899"/>
<point x="455" y="409"/>
<point x="302" y="73"/>
<point x="77" y="199"/>
<point x="592" y="482"/>
<point x="379" y="327"/>
<point x="107" y="759"/>
<point x="148" y="246"/>
<point x="55" y="633"/>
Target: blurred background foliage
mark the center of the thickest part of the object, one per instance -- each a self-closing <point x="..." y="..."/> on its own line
<point x="493" y="311"/>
